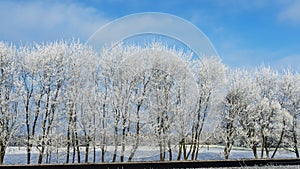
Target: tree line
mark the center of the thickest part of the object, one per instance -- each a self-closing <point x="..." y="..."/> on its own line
<point x="65" y="95"/>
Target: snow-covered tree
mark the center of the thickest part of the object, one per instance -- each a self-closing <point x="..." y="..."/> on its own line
<point x="64" y="95"/>
<point x="86" y="104"/>
<point x="273" y="118"/>
<point x="209" y="74"/>
<point x="30" y="95"/>
<point x="140" y="81"/>
<point x="51" y="65"/>
<point x="78" y="97"/>
<point x="248" y="133"/>
<point x="9" y="102"/>
<point x="162" y="85"/>
<point x="289" y="99"/>
<point x="234" y="109"/>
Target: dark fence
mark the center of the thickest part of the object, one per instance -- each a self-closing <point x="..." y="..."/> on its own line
<point x="166" y="164"/>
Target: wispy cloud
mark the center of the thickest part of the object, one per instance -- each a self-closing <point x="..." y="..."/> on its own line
<point x="47" y="20"/>
<point x="238" y="6"/>
<point x="291" y="13"/>
<point x="157" y="23"/>
<point x="291" y="61"/>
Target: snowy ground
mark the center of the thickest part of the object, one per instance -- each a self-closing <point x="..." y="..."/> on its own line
<point x="266" y="167"/>
<point x="17" y="155"/>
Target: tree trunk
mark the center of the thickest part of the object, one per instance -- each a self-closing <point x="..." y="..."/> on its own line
<point x="254" y="150"/>
<point x="77" y="146"/>
<point x="185" y="154"/>
<point x="137" y="132"/>
<point x="187" y="151"/>
<point x="123" y="140"/>
<point x="2" y="152"/>
<point x="69" y="137"/>
<point x="28" y="144"/>
<point x="56" y="154"/>
<point x="161" y="157"/>
<point x="226" y="153"/>
<point x="279" y="142"/>
<point x="229" y="139"/>
<point x="116" y="144"/>
<point x="87" y="146"/>
<point x="194" y="144"/>
<point x="262" y="146"/>
<point x="197" y="151"/>
<point x="68" y="144"/>
<point x="117" y="119"/>
<point x="266" y="148"/>
<point x="41" y="153"/>
<point x="74" y="148"/>
<point x="227" y="150"/>
<point x="94" y="140"/>
<point x="296" y="150"/>
<point x="28" y="149"/>
<point x="40" y="159"/>
<point x="170" y="151"/>
<point x="137" y="141"/>
<point x="295" y="139"/>
<point x="102" y="154"/>
<point x="68" y="149"/>
<point x="48" y="156"/>
<point x="180" y="147"/>
<point x="94" y="154"/>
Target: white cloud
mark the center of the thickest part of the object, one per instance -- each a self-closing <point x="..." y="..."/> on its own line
<point x="157" y="23"/>
<point x="291" y="61"/>
<point x="238" y="6"/>
<point x="47" y="20"/>
<point x="291" y="12"/>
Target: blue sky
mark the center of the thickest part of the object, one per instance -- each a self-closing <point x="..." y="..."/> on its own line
<point x="246" y="33"/>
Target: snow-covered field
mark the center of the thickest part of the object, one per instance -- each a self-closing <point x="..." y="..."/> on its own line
<point x="266" y="167"/>
<point x="17" y="155"/>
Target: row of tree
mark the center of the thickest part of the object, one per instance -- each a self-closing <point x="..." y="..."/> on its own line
<point x="261" y="110"/>
<point x="65" y="96"/>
